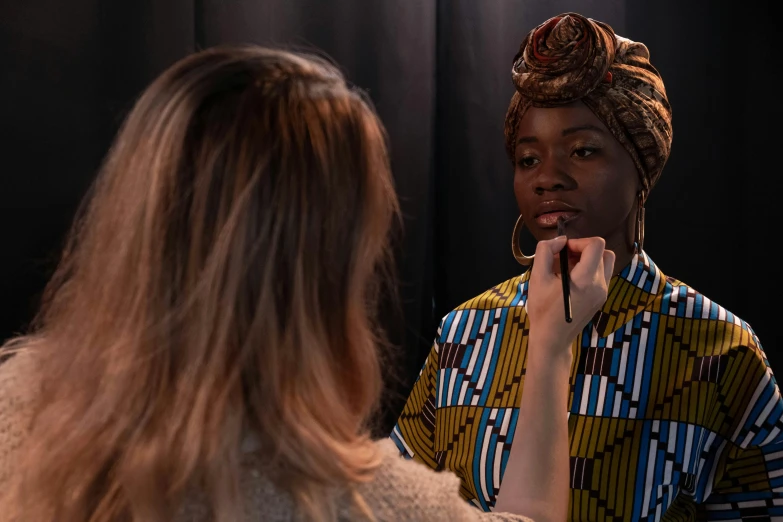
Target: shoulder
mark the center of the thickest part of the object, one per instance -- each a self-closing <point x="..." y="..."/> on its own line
<point x="409" y="477"/>
<point x="683" y="301"/>
<point x="508" y="294"/>
<point x="18" y="384"/>
<point x="725" y="349"/>
<point x="19" y="380"/>
<point x="404" y="489"/>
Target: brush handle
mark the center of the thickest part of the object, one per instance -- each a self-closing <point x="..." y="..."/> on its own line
<point x="566" y="287"/>
<point x="564" y="273"/>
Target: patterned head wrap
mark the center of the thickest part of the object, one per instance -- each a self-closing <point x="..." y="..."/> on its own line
<point x="570" y="57"/>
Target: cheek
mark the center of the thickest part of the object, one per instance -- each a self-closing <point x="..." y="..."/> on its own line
<point x="611" y="200"/>
<point x="521" y="192"/>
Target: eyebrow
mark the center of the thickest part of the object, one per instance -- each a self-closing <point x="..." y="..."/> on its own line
<point x="588" y="127"/>
<point x="566" y="132"/>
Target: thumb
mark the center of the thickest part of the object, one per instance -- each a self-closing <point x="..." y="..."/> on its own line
<point x="609" y="258"/>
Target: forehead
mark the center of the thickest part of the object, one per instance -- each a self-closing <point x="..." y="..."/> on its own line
<point x="542" y="122"/>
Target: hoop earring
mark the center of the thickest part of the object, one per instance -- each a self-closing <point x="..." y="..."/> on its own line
<point x="521" y="258"/>
<point x="640" y="222"/>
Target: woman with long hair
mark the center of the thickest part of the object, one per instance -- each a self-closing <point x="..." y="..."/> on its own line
<point x="207" y="349"/>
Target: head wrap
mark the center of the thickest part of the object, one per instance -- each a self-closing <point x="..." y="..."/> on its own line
<point x="569" y="58"/>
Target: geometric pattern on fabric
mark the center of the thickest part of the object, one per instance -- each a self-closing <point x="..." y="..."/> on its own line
<point x="674" y="413"/>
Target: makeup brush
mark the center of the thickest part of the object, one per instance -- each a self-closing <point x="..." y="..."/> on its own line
<point x="564" y="271"/>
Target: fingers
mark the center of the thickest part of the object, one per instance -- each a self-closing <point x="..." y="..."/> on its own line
<point x="580" y="244"/>
<point x="592" y="250"/>
<point x="609" y="258"/>
<point x="545" y="256"/>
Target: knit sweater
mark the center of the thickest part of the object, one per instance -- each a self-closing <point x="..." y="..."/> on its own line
<point x="402" y="490"/>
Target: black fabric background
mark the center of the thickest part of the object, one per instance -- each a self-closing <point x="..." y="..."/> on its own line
<point x="438" y="72"/>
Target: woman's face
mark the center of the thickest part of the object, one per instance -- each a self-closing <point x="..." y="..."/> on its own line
<point x="568" y="164"/>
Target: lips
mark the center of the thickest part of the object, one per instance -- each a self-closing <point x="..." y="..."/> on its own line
<point x="549" y="212"/>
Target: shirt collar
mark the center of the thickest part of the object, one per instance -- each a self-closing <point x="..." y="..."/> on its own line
<point x="630" y="292"/>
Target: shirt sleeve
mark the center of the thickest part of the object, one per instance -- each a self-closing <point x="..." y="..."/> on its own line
<point x="414" y="433"/>
<point x="742" y="476"/>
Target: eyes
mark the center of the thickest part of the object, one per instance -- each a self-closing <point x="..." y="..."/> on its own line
<point x="584" y="152"/>
<point x="528" y="161"/>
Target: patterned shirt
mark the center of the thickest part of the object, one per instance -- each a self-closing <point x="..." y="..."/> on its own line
<point x="674" y="411"/>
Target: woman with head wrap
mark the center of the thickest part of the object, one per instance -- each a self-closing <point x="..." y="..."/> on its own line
<point x="674" y="413"/>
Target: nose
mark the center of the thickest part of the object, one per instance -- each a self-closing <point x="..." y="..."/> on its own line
<point x="552" y="177"/>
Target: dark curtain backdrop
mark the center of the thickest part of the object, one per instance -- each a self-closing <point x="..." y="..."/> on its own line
<point x="438" y="72"/>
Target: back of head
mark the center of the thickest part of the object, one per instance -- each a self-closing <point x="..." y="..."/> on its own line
<point x="220" y="282"/>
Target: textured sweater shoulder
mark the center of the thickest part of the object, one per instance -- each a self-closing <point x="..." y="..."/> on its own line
<point x="402" y="490"/>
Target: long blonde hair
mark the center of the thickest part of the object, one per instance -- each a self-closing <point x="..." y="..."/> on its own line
<point x="221" y="281"/>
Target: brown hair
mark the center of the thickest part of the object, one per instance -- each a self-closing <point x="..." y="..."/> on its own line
<point x="220" y="282"/>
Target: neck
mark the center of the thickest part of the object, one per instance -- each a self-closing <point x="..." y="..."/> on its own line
<point x="623" y="256"/>
<point x="621" y="241"/>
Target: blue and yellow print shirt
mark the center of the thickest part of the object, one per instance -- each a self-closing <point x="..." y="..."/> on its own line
<point x="675" y="413"/>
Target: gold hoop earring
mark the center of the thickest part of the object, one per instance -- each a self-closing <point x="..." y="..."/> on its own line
<point x="521" y="258"/>
<point x="640" y="222"/>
